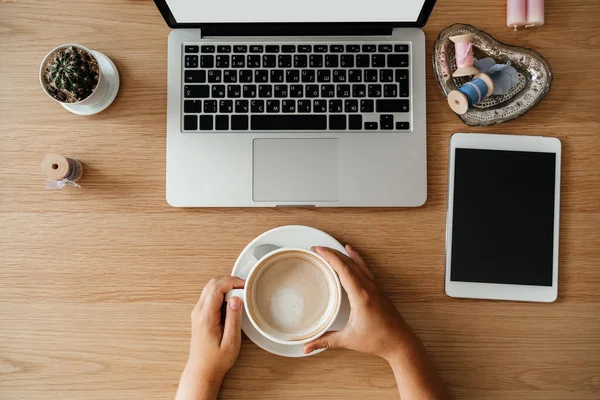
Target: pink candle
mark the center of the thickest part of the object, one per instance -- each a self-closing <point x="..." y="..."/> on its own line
<point x="535" y="13"/>
<point x="516" y="13"/>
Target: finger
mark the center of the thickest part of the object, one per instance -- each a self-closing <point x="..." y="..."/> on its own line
<point x="330" y="340"/>
<point x="232" y="333"/>
<point x="216" y="289"/>
<point x="348" y="278"/>
<point x="359" y="261"/>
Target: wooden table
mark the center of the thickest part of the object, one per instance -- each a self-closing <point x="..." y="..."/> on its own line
<point x="96" y="284"/>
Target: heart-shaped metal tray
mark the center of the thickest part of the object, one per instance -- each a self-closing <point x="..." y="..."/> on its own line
<point x="535" y="75"/>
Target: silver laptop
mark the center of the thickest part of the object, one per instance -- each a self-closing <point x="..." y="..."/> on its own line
<point x="312" y="103"/>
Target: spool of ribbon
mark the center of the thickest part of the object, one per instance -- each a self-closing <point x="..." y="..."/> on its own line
<point x="470" y="93"/>
<point x="463" y="52"/>
<point x="61" y="171"/>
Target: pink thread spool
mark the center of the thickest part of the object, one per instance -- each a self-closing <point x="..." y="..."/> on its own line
<point x="463" y="52"/>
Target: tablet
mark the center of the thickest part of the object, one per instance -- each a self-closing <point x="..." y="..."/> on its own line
<point x="502" y="218"/>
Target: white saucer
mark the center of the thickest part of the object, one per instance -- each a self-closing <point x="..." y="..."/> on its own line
<point x="110" y="76"/>
<point x="287" y="236"/>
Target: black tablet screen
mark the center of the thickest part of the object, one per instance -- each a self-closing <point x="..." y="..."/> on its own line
<point x="503" y="217"/>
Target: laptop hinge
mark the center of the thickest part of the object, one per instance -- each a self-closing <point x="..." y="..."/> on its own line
<point x="279" y="30"/>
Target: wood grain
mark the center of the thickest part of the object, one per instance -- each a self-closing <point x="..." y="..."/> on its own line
<point x="96" y="284"/>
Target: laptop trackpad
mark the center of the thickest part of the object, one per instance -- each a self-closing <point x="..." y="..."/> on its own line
<point x="295" y="170"/>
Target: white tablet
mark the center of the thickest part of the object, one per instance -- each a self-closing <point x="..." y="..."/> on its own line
<point x="503" y="214"/>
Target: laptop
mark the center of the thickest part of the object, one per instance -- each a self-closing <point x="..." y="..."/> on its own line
<point x="313" y="103"/>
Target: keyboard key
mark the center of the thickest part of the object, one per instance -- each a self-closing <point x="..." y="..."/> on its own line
<point x="256" y="48"/>
<point x="230" y="76"/>
<point x="343" y="90"/>
<point x="371" y="126"/>
<point x="296" y="91"/>
<point x="238" y="61"/>
<point x="350" y="106"/>
<point x="320" y="48"/>
<point x="192" y="49"/>
<point x="280" y="91"/>
<point x="402" y="126"/>
<point x="337" y="122"/>
<point x="191" y="61"/>
<point x="386" y="121"/>
<point x="401" y="75"/>
<point x="206" y="122"/>
<point x="273" y="106"/>
<point x="347" y="61"/>
<point x="239" y="122"/>
<point x="362" y="61"/>
<point x="355" y="75"/>
<point x="269" y="61"/>
<point x="225" y="106"/>
<point x="352" y="48"/>
<point x="288" y="122"/>
<point x="223" y="49"/>
<point x="327" y="90"/>
<point x="315" y="61"/>
<point x="214" y="76"/>
<point x="222" y="122"/>
<point x="300" y="61"/>
<point x="292" y="76"/>
<point x="190" y="122"/>
<point x="284" y="61"/>
<point x="308" y="75"/>
<point x="265" y="91"/>
<point x="207" y="49"/>
<point x="370" y="75"/>
<point x="359" y="91"/>
<point x="210" y="106"/>
<point x="320" y="106"/>
<point x="218" y="91"/>
<point x="366" y="106"/>
<point x="257" y="106"/>
<point x="355" y="122"/>
<point x="245" y="76"/>
<point x="249" y="91"/>
<point x="401" y="48"/>
<point x="339" y="75"/>
<point x="192" y="106"/>
<point x="392" y="106"/>
<point x="288" y="48"/>
<point x="272" y="48"/>
<point x="240" y="49"/>
<point x="196" y="91"/>
<point x="288" y="106"/>
<point x="374" y="90"/>
<point x="335" y="106"/>
<point x="332" y="61"/>
<point x="369" y="48"/>
<point x="402" y="78"/>
<point x="253" y="61"/>
<point x="386" y="75"/>
<point x="261" y="76"/>
<point x="234" y="91"/>
<point x="241" y="106"/>
<point x="390" y="90"/>
<point x="276" y="75"/>
<point x="207" y="61"/>
<point x="385" y="48"/>
<point x="378" y="60"/>
<point x="323" y="75"/>
<point x="336" y="48"/>
<point x="194" y="76"/>
<point x="397" y="60"/>
<point x="304" y="106"/>
<point x="312" y="90"/>
<point x="304" y="48"/>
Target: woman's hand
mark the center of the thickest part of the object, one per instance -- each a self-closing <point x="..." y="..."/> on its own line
<point x="214" y="347"/>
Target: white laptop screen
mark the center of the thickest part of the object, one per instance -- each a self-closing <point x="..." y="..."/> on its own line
<point x="241" y="11"/>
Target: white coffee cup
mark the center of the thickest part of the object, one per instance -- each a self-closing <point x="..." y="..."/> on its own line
<point x="306" y="297"/>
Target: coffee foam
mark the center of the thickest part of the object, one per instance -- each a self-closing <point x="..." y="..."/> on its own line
<point x="293" y="296"/>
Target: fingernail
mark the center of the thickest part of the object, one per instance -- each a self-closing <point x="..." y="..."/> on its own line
<point x="349" y="247"/>
<point x="235" y="303"/>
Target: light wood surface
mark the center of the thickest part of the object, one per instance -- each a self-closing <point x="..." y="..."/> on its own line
<point x="96" y="284"/>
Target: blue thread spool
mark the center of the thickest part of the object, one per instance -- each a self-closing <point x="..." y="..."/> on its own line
<point x="470" y="93"/>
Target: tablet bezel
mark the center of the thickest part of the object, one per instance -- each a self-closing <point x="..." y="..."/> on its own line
<point x="494" y="290"/>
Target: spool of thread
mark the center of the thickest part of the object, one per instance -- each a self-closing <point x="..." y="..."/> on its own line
<point x="61" y="171"/>
<point x="463" y="52"/>
<point x="470" y="93"/>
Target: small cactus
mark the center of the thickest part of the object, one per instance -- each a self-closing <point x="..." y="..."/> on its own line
<point x="71" y="74"/>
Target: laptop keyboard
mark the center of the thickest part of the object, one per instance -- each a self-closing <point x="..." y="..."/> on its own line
<point x="296" y="87"/>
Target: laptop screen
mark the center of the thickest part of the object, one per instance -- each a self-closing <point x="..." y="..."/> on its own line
<point x="242" y="11"/>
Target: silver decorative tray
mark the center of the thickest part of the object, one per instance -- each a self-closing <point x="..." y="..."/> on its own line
<point x="535" y="75"/>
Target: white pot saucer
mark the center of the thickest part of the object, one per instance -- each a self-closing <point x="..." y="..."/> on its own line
<point x="287" y="236"/>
